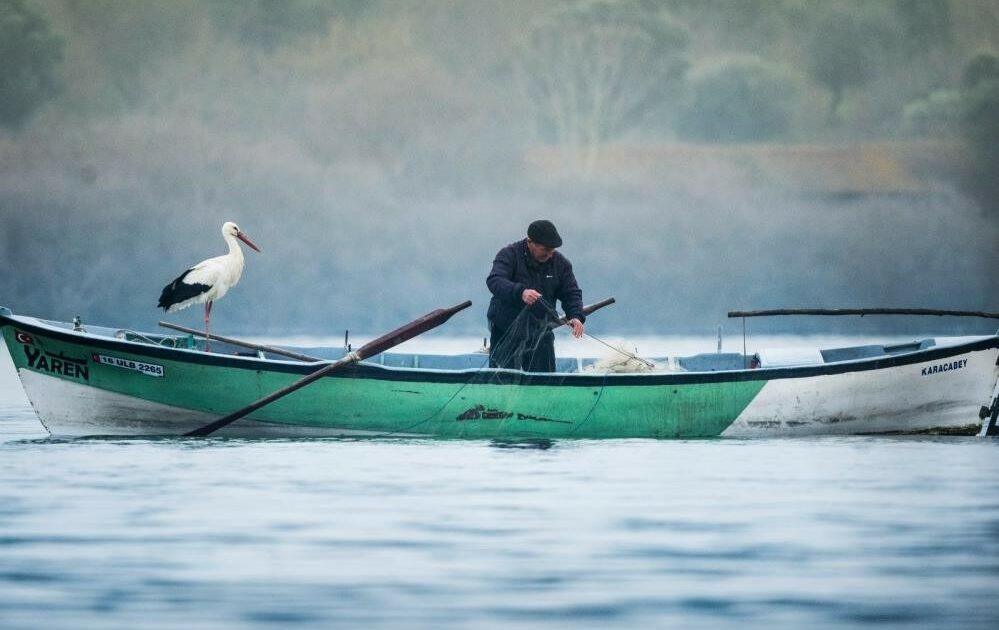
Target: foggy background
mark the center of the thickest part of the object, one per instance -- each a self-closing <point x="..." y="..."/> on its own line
<point x="698" y="156"/>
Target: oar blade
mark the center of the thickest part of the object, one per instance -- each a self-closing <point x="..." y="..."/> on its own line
<point x="587" y="310"/>
<point x="416" y="327"/>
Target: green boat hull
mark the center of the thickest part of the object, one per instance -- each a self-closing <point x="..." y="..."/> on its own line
<point x="362" y="399"/>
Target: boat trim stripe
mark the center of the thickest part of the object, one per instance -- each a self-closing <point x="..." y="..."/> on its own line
<point x="499" y="376"/>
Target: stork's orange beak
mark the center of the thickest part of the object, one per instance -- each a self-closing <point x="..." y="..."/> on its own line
<point x="246" y="239"/>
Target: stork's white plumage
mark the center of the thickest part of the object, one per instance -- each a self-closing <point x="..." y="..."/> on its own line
<point x="210" y="279"/>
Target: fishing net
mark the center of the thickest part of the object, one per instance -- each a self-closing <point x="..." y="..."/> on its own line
<point x="488" y="403"/>
<point x="526" y="344"/>
<point x="620" y="357"/>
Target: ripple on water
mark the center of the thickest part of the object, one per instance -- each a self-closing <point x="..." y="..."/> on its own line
<point x="119" y="533"/>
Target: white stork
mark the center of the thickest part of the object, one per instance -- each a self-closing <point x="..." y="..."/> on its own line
<point x="208" y="280"/>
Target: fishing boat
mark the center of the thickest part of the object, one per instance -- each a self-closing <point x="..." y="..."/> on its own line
<point x="85" y="380"/>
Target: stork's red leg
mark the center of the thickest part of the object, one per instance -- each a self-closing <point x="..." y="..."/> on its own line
<point x="208" y="317"/>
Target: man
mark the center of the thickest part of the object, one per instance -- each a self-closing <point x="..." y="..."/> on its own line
<point x="531" y="274"/>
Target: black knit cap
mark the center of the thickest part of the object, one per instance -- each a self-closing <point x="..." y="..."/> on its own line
<point x="543" y="232"/>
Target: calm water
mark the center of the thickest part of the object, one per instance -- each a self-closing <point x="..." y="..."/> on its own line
<point x="854" y="532"/>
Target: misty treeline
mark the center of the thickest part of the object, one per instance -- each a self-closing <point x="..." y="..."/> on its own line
<point x="380" y="152"/>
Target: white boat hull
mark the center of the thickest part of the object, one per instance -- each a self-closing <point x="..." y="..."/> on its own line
<point x="900" y="399"/>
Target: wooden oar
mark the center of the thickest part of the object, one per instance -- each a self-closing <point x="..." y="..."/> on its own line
<point x="589" y="308"/>
<point x="244" y="344"/>
<point x="383" y="343"/>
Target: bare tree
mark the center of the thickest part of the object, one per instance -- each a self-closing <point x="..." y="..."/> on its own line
<point x="592" y="71"/>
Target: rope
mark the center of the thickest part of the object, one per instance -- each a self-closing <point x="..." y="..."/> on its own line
<point x="137" y="336"/>
<point x="597" y="339"/>
<point x="603" y="384"/>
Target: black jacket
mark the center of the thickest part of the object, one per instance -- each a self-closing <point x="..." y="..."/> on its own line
<point x="515" y="270"/>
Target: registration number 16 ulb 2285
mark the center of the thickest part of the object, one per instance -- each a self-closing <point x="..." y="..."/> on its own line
<point x="149" y="369"/>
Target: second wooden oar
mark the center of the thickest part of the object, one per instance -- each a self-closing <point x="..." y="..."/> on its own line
<point x="589" y="308"/>
<point x="562" y="320"/>
<point x="381" y="344"/>
<point x="244" y="344"/>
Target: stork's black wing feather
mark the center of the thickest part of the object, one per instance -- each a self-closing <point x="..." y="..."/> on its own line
<point x="178" y="291"/>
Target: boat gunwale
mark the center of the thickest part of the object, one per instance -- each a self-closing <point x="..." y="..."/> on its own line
<point x="499" y="376"/>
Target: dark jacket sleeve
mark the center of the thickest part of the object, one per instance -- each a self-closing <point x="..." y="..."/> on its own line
<point x="500" y="279"/>
<point x="570" y="294"/>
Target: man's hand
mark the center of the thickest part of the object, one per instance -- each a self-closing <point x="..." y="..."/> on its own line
<point x="577" y="327"/>
<point x="530" y="296"/>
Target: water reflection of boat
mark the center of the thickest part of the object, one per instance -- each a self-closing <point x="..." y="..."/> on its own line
<point x="108" y="381"/>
